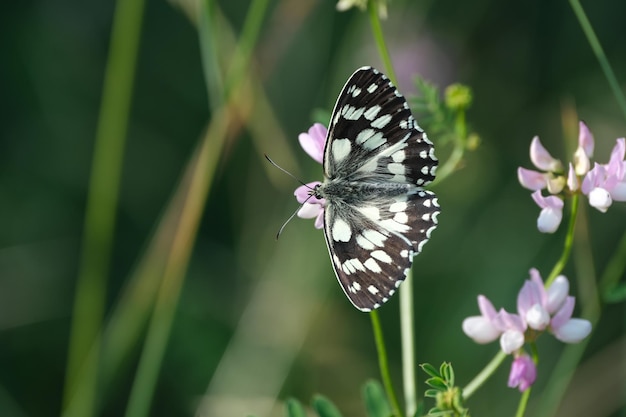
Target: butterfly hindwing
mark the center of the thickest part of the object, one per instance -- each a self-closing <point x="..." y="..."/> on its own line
<point x="372" y="245"/>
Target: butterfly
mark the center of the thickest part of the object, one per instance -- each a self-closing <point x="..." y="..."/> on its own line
<point x="377" y="215"/>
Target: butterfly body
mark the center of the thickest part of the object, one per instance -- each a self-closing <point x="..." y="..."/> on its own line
<point x="377" y="215"/>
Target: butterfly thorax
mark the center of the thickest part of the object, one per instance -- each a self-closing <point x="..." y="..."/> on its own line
<point x="353" y="192"/>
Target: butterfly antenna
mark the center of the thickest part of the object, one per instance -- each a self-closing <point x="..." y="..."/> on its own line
<point x="291" y="217"/>
<point x="286" y="172"/>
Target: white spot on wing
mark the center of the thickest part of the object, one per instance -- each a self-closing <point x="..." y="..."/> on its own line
<point x="372" y="265"/>
<point x="381" y="256"/>
<point x="396" y="168"/>
<point x="372" y="112"/>
<point x="352" y="113"/>
<point x="398" y="206"/>
<point x="341" y="231"/>
<point x="374" y="236"/>
<point x="398" y="156"/>
<point x="364" y="243"/>
<point x="372" y="289"/>
<point x="401" y="217"/>
<point x="370" y="139"/>
<point x="372" y="88"/>
<point x="382" y="121"/>
<point x="340" y="149"/>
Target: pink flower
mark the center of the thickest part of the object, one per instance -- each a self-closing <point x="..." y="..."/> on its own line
<point x="523" y="373"/>
<point x="484" y="328"/>
<point x="565" y="328"/>
<point x="490" y="326"/>
<point x="313" y="141"/>
<point x="535" y="304"/>
<point x="539" y="310"/>
<point x="584" y="151"/>
<point x="551" y="212"/>
<point x="542" y="159"/>
<point x="513" y="328"/>
<point x="313" y="144"/>
<point x="312" y="207"/>
<point x="535" y="180"/>
<point x="606" y="183"/>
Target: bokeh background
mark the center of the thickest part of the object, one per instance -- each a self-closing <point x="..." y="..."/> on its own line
<point x="259" y="320"/>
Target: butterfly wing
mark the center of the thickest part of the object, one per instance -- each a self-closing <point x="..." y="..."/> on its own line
<point x="372" y="245"/>
<point x="373" y="135"/>
<point x="373" y="237"/>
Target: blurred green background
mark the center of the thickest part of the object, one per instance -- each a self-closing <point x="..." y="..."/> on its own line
<point x="260" y="320"/>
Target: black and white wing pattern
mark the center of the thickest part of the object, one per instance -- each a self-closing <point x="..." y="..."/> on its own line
<point x="377" y="215"/>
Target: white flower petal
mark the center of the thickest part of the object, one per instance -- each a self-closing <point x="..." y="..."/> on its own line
<point x="600" y="199"/>
<point x="480" y="329"/>
<point x="537" y="317"/>
<point x="511" y="340"/>
<point x="573" y="331"/>
<point x="557" y="293"/>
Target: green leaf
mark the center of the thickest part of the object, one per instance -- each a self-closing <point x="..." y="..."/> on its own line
<point x="294" y="408"/>
<point x="324" y="407"/>
<point x="447" y="373"/>
<point x="437" y="383"/>
<point x="376" y="403"/>
<point x="429" y="369"/>
<point x="431" y="393"/>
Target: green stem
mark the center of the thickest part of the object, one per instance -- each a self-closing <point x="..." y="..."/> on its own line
<point x="567" y="246"/>
<point x="377" y="31"/>
<point x="599" y="52"/>
<point x="383" y="363"/>
<point x="102" y="200"/>
<point x="523" y="402"/>
<point x="407" y="324"/>
<point x="483" y="375"/>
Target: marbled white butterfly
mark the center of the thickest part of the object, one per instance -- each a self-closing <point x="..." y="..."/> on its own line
<point x="377" y="215"/>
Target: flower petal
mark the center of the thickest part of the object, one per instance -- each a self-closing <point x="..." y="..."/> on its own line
<point x="523" y="373"/>
<point x="532" y="180"/>
<point x="551" y="214"/>
<point x="572" y="180"/>
<point x="582" y="164"/>
<point x="557" y="294"/>
<point x="585" y="139"/>
<point x="480" y="329"/>
<point x="600" y="199"/>
<point x="618" y="193"/>
<point x="303" y="193"/>
<point x="309" y="211"/>
<point x="542" y="158"/>
<point x="564" y="313"/>
<point x="537" y="317"/>
<point x="511" y="340"/>
<point x="573" y="331"/>
<point x="313" y="141"/>
<point x="486" y="308"/>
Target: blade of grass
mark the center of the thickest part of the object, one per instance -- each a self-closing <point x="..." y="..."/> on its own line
<point x="104" y="183"/>
<point x="599" y="52"/>
<point x="160" y="326"/>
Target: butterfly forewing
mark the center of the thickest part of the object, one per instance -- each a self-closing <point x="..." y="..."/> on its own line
<point x="377" y="216"/>
<point x="373" y="135"/>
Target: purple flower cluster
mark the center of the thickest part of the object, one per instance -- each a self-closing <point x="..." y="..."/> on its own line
<point x="538" y="310"/>
<point x="602" y="184"/>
